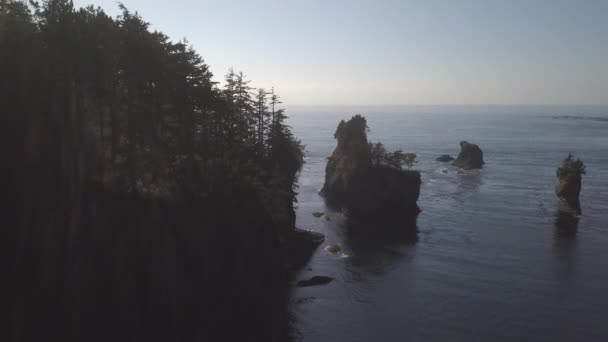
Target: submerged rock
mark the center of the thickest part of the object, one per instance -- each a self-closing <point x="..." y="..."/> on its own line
<point x="317" y="214"/>
<point x="470" y="156"/>
<point x="316" y="280"/>
<point x="444" y="158"/>
<point x="366" y="189"/>
<point x="568" y="188"/>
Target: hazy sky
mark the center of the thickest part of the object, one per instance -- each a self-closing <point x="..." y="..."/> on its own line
<point x="398" y="52"/>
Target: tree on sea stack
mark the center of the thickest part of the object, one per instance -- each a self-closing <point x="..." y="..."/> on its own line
<point x="570" y="175"/>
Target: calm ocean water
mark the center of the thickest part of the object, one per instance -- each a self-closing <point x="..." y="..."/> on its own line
<point x="489" y="262"/>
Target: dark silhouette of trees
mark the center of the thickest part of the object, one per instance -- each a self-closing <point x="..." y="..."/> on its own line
<point x="395" y="159"/>
<point x="145" y="202"/>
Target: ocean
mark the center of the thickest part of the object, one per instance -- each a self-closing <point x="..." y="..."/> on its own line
<point x="491" y="259"/>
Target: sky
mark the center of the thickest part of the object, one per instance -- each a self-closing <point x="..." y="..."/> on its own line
<point x="359" y="52"/>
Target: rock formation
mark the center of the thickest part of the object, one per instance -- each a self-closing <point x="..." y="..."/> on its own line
<point x="333" y="249"/>
<point x="444" y="158"/>
<point x="368" y="189"/>
<point x="315" y="280"/>
<point x="470" y="156"/>
<point x="568" y="188"/>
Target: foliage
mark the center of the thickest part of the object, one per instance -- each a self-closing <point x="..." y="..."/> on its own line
<point x="395" y="159"/>
<point x="129" y="173"/>
<point x="355" y="129"/>
<point x="570" y="167"/>
<point x="148" y="105"/>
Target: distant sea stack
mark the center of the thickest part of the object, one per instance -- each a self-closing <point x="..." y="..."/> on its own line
<point x="366" y="180"/>
<point x="570" y="176"/>
<point x="470" y="156"/>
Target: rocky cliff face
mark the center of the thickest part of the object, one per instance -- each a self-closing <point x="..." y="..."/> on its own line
<point x="568" y="190"/>
<point x="470" y="156"/>
<point x="366" y="190"/>
<point x="351" y="157"/>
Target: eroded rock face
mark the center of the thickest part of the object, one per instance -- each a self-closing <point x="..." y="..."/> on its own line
<point x="366" y="190"/>
<point x="470" y="156"/>
<point x="351" y="157"/>
<point x="568" y="190"/>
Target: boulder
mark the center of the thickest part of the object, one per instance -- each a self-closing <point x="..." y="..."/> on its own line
<point x="444" y="158"/>
<point x="470" y="156"/>
<point x="333" y="249"/>
<point x="362" y="188"/>
<point x="316" y="280"/>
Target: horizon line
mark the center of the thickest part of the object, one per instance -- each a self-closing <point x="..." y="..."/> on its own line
<point x="444" y="104"/>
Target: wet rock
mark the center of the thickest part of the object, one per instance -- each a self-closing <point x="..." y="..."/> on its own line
<point x="317" y="214"/>
<point x="314" y="281"/>
<point x="305" y="300"/>
<point x="470" y="156"/>
<point x="445" y="158"/>
<point x="333" y="249"/>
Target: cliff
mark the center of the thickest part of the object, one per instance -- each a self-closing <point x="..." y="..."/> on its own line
<point x="365" y="188"/>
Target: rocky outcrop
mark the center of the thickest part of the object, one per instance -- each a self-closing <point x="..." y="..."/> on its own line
<point x="568" y="188"/>
<point x="315" y="280"/>
<point x="333" y="249"/>
<point x="365" y="189"/>
<point x="444" y="158"/>
<point x="470" y="156"/>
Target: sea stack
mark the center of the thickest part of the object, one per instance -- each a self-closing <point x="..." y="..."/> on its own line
<point x="366" y="180"/>
<point x="570" y="176"/>
<point x="470" y="156"/>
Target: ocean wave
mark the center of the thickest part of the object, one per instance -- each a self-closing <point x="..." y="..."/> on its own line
<point x="582" y="117"/>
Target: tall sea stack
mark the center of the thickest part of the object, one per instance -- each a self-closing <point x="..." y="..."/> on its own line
<point x="568" y="189"/>
<point x="365" y="184"/>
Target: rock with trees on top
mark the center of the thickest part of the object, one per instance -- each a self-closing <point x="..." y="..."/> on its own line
<point x="367" y="180"/>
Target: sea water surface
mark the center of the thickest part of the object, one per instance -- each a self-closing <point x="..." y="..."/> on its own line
<point x="491" y="259"/>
